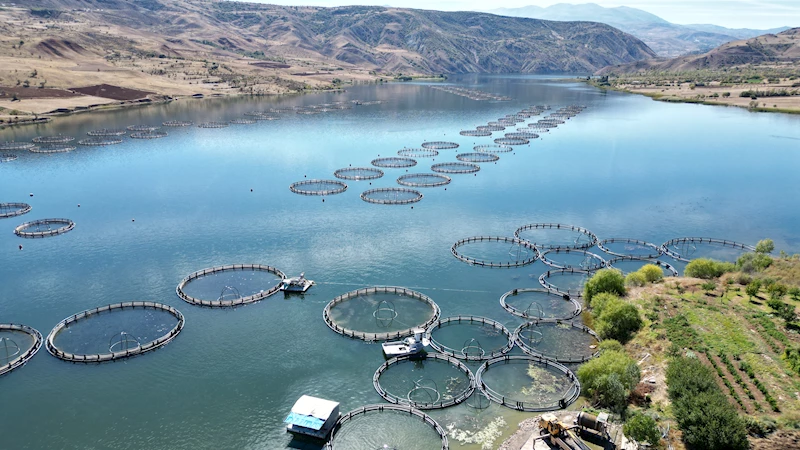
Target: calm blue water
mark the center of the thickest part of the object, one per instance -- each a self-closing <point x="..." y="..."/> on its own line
<point x="625" y="167"/>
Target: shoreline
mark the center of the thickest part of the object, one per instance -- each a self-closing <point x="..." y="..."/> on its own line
<point x="667" y="98"/>
<point x="38" y="119"/>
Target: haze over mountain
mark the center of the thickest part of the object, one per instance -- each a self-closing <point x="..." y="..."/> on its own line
<point x="378" y="38"/>
<point x="665" y="38"/>
<point x="770" y="49"/>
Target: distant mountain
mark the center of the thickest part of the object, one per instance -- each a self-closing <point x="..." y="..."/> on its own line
<point x="377" y="38"/>
<point x="782" y="48"/>
<point x="665" y="38"/>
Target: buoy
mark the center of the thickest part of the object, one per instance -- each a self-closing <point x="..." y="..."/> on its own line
<point x="20" y="246"/>
<point x="133" y="220"/>
<point x="79" y="205"/>
<point x="323" y="200"/>
<point x="31" y="194"/>
<point x="251" y="189"/>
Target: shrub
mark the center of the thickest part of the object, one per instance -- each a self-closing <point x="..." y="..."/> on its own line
<point x="609" y="379"/>
<point x="708" y="286"/>
<point x="635" y="279"/>
<point x="619" y="320"/>
<point x="642" y="428"/>
<point x="610" y="345"/>
<point x="753" y="262"/>
<point x="783" y="310"/>
<point x="777" y="290"/>
<point x="706" y="418"/>
<point x="652" y="273"/>
<point x="760" y="427"/>
<point x="792" y="358"/>
<point x="707" y="268"/>
<point x="600" y="301"/>
<point x="765" y="246"/>
<point x="604" y="280"/>
<point x="752" y="289"/>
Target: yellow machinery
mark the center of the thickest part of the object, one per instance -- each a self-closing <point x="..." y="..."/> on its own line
<point x="559" y="434"/>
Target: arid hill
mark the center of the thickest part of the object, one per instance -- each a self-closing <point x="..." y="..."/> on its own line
<point x="376" y="38"/>
<point x="781" y="48"/>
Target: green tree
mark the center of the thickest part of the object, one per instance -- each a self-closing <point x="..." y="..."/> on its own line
<point x="777" y="290"/>
<point x="765" y="246"/>
<point x="752" y="289"/>
<point x="753" y="262"/>
<point x="652" y="273"/>
<point x="794" y="292"/>
<point x="604" y="280"/>
<point x="609" y="379"/>
<point x="642" y="429"/>
<point x="707" y="268"/>
<point x="618" y="320"/>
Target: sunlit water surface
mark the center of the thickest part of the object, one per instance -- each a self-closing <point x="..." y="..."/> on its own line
<point x="153" y="211"/>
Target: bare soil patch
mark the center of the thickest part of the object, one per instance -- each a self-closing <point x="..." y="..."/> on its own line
<point x="112" y="92"/>
<point x="32" y="92"/>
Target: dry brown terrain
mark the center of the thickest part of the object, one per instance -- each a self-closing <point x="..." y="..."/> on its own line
<point x="60" y="53"/>
<point x="713" y="93"/>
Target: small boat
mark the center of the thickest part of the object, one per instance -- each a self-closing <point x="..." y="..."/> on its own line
<point x="296" y="284"/>
<point x="411" y="345"/>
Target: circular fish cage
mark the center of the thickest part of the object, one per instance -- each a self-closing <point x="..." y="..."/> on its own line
<point x="522" y="135"/>
<point x="423" y="180"/>
<point x="213" y="125"/>
<point x="391" y="196"/>
<point x="13" y="209"/>
<point x="540" y="304"/>
<point x="686" y="248"/>
<point x="387" y="427"/>
<point x="477" y="157"/>
<point x="500" y="251"/>
<point x="143" y="128"/>
<point x="570" y="281"/>
<point x="418" y="152"/>
<point x="7" y="157"/>
<point x="470" y="338"/>
<point x="16" y="146"/>
<point x="475" y="133"/>
<point x="395" y="162"/>
<point x="358" y="173"/>
<point x="630" y="247"/>
<point x="177" y="123"/>
<point x="106" y="132"/>
<point x="149" y="135"/>
<point x="57" y="139"/>
<point x="497" y="126"/>
<point x="490" y="128"/>
<point x="528" y="383"/>
<point x="455" y="167"/>
<point x="242" y="121"/>
<point x="569" y="236"/>
<point x="380" y="313"/>
<point x="628" y="264"/>
<point x="318" y="187"/>
<point x="53" y="148"/>
<point x="557" y="340"/>
<point x="18" y="344"/>
<point x="412" y="381"/>
<point x="511" y="141"/>
<point x="538" y="127"/>
<point x="44" y="228"/>
<point x="568" y="258"/>
<point x="230" y="285"/>
<point x="439" y="145"/>
<point x="121" y="344"/>
<point x="99" y="141"/>
<point x="493" y="148"/>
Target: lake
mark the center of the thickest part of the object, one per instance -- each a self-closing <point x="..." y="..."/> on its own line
<point x="153" y="211"/>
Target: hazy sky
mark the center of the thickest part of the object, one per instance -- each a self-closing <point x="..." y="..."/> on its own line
<point x="760" y="14"/>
